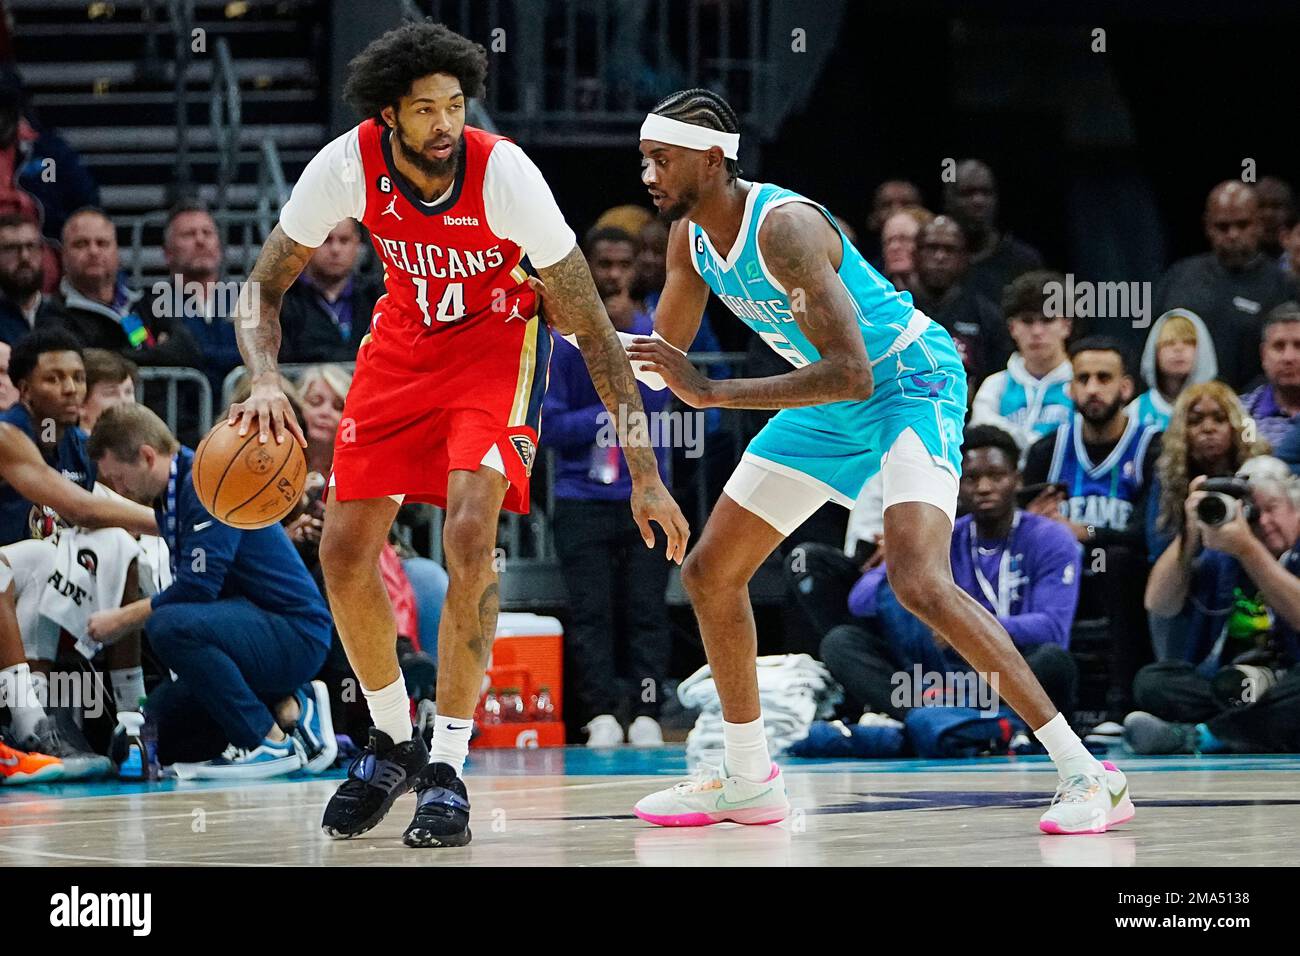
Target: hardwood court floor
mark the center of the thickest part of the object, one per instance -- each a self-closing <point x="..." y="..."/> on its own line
<point x="572" y="807"/>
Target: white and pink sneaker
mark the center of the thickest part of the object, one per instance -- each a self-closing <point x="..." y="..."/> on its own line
<point x="1089" y="804"/>
<point x="714" y="797"/>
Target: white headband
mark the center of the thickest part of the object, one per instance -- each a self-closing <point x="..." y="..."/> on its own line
<point x="676" y="133"/>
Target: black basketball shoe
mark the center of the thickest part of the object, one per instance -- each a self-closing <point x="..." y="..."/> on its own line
<point x="441" y="809"/>
<point x="378" y="776"/>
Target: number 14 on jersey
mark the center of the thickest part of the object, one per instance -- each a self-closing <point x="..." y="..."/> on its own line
<point x="451" y="307"/>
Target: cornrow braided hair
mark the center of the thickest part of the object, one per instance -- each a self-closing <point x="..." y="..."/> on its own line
<point x="701" y="107"/>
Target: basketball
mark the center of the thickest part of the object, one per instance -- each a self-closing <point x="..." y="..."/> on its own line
<point x="246" y="483"/>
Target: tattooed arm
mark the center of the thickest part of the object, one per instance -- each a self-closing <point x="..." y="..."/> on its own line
<point x="257" y="328"/>
<point x="571" y="298"/>
<point x="802" y="252"/>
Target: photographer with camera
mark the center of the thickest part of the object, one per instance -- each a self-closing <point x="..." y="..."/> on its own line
<point x="1235" y="571"/>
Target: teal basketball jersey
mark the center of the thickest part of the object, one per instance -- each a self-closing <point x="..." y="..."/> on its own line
<point x="886" y="318"/>
<point x="919" y="379"/>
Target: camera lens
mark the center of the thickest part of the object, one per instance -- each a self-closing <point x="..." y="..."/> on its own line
<point x="1212" y="509"/>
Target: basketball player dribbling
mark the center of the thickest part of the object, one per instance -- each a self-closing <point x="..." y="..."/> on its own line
<point x="446" y="400"/>
<point x="876" y="386"/>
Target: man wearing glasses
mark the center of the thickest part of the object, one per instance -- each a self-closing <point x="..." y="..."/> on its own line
<point x="22" y="275"/>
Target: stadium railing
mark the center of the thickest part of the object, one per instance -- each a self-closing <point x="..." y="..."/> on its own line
<point x="173" y="379"/>
<point x="225" y="117"/>
<point x="180" y="13"/>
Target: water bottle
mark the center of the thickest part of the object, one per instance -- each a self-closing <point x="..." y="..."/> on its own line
<point x="513" y="709"/>
<point x="140" y="761"/>
<point x="543" y="705"/>
<point x="131" y="762"/>
<point x="491" y="708"/>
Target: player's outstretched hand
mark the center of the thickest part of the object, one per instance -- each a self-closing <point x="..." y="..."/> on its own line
<point x="268" y="408"/>
<point x="652" y="502"/>
<point x="687" y="382"/>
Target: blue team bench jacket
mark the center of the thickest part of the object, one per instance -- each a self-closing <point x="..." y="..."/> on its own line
<point x="213" y="560"/>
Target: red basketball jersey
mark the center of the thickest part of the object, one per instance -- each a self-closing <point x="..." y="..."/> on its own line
<point x="453" y="371"/>
<point x="444" y="268"/>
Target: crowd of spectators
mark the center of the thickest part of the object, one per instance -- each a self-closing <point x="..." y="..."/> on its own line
<point x="1083" y="471"/>
<point x="1144" y="617"/>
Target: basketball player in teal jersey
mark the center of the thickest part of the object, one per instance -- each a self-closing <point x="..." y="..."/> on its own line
<point x="876" y="386"/>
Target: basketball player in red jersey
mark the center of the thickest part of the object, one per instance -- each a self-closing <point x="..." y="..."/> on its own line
<point x="445" y="404"/>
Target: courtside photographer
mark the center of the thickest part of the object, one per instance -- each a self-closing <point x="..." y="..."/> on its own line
<point x="1235" y="575"/>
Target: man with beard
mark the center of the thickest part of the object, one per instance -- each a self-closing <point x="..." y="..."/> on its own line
<point x="1100" y="466"/>
<point x="47" y="478"/>
<point x="612" y="256"/>
<point x="1233" y="286"/>
<point x="996" y="257"/>
<point x="1023" y="568"/>
<point x="445" y="405"/>
<point x="22" y="276"/>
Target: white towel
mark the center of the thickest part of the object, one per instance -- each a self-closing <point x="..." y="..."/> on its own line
<point x="793" y="691"/>
<point x="155" y="567"/>
<point x="61" y="580"/>
<point x="27" y="564"/>
<point x="89" y="574"/>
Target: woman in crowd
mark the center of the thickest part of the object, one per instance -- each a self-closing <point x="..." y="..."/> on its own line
<point x="1206" y="436"/>
<point x="1179" y="352"/>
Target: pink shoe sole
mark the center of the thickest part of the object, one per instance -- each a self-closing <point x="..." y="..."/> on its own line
<point x="758" y="816"/>
<point x="1121" y="814"/>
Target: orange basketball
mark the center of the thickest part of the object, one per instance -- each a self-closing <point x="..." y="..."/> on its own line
<point x="245" y="483"/>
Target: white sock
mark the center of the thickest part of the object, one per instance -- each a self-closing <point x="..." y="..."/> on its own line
<point x="1066" y="749"/>
<point x="390" y="710"/>
<point x="128" y="687"/>
<point x="451" y="741"/>
<point x="745" y="750"/>
<point x="19" y="692"/>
